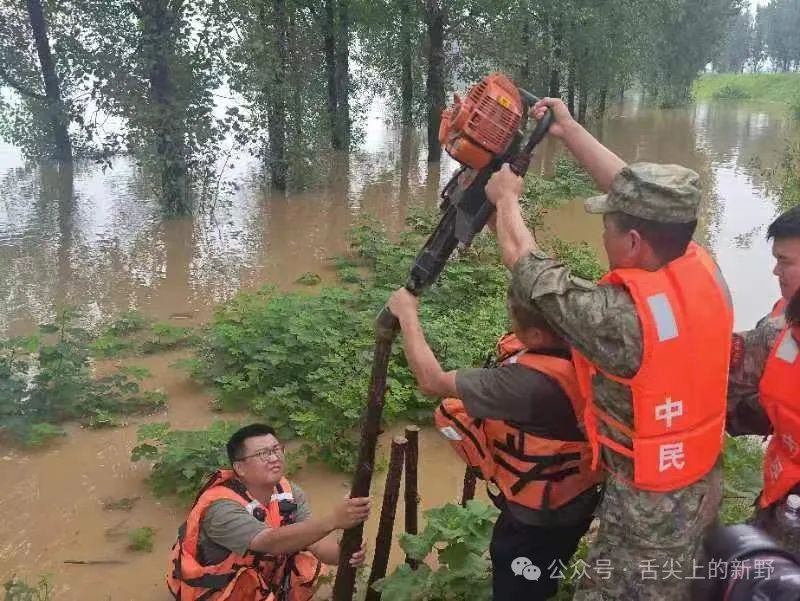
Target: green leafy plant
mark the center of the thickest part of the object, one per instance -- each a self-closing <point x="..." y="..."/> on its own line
<point x="309" y="278"/>
<point x="743" y="458"/>
<point x="48" y="379"/>
<point x="141" y="539"/>
<point x="459" y="537"/>
<point x="19" y="590"/>
<point x="302" y="362"/>
<point x="183" y="459"/>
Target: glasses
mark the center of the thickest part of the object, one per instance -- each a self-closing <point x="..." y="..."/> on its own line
<point x="264" y="455"/>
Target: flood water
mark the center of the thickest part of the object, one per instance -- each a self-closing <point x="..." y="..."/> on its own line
<point x="96" y="240"/>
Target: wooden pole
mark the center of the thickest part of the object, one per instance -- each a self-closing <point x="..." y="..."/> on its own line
<point x="391" y="494"/>
<point x="385" y="331"/>
<point x="411" y="496"/>
<point x="470" y="480"/>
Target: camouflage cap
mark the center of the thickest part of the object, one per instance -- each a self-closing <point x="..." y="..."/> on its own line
<point x="665" y="193"/>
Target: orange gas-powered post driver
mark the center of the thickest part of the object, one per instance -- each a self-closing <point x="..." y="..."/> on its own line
<point x="482" y="132"/>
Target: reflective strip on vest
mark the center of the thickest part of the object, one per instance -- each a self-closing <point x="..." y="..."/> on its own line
<point x="787" y="351"/>
<point x="663" y="316"/>
<point x="282" y="496"/>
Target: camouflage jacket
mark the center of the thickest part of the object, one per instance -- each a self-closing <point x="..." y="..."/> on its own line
<point x="748" y="358"/>
<point x="601" y="322"/>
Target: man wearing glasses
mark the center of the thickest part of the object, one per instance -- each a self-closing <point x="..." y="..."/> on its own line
<point x="250" y="534"/>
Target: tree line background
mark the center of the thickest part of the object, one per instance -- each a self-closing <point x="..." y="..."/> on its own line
<point x="97" y="78"/>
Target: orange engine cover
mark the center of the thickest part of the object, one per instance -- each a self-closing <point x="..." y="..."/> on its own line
<point x="481" y="126"/>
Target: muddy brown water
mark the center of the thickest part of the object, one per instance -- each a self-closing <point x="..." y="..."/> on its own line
<point x="96" y="239"/>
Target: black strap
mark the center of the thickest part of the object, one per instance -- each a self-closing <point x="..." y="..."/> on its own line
<point x="516" y="450"/>
<point x="216" y="582"/>
<point x="535" y="474"/>
<point x="464" y="429"/>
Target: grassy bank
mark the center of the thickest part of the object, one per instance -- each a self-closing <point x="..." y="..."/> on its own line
<point x="781" y="88"/>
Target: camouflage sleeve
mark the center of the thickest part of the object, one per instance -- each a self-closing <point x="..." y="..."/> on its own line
<point x="598" y="320"/>
<point x="749" y="354"/>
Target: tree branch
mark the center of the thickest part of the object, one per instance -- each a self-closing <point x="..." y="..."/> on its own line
<point x="10" y="81"/>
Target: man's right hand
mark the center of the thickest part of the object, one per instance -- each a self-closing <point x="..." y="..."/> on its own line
<point x="350" y="512"/>
<point x="562" y="119"/>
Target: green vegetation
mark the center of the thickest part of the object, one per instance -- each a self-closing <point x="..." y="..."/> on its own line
<point x="133" y="334"/>
<point x="743" y="457"/>
<point x="141" y="539"/>
<point x="20" y="590"/>
<point x="762" y="87"/>
<point x="460" y="538"/>
<point x="49" y="379"/>
<point x="302" y="361"/>
<point x="183" y="458"/>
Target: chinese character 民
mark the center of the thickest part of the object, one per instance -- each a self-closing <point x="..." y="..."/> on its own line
<point x="669" y="410"/>
<point x="670" y="455"/>
<point x="790" y="444"/>
<point x="775" y="469"/>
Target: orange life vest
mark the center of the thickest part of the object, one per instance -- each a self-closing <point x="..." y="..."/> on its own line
<point x="248" y="577"/>
<point x="779" y="392"/>
<point x="778" y="308"/>
<point x="679" y="392"/>
<point x="529" y="470"/>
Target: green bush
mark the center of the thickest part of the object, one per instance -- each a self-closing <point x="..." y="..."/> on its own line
<point x="141" y="539"/>
<point x="46" y="383"/>
<point x="302" y="361"/>
<point x="762" y="87"/>
<point x="183" y="459"/>
<point x="20" y="590"/>
<point x="730" y="92"/>
<point x="460" y="538"/>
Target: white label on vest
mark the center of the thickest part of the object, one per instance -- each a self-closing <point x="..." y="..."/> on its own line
<point x="666" y="325"/>
<point x="251" y="506"/>
<point x="282" y="496"/>
<point x="787" y="351"/>
<point x="451" y="433"/>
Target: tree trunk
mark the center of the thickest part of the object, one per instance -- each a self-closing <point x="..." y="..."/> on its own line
<point x="342" y="38"/>
<point x="406" y="80"/>
<point x="328" y="24"/>
<point x="278" y="163"/>
<point x="583" y="103"/>
<point x="601" y="103"/>
<point x="526" y="43"/>
<point x="59" y="122"/>
<point x="555" y="77"/>
<point x="571" y="88"/>
<point x="167" y="124"/>
<point x="435" y="15"/>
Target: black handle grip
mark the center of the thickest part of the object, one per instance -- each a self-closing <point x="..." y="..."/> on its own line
<point x="519" y="165"/>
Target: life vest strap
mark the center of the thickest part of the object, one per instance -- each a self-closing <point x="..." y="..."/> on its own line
<point x="466" y="431"/>
<point x="535" y="474"/>
<point x="516" y="451"/>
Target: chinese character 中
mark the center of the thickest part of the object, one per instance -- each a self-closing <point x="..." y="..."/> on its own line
<point x="669" y="410"/>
